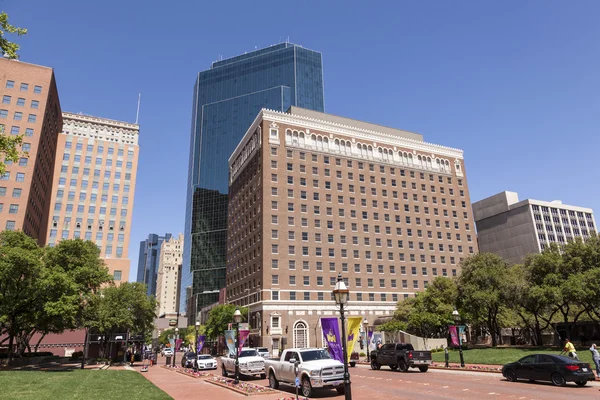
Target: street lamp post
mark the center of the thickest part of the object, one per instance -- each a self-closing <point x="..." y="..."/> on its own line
<point x="237" y="318"/>
<point x="196" y="347"/>
<point x="366" y="325"/>
<point x="456" y="317"/>
<point x="175" y="348"/>
<point x="340" y="294"/>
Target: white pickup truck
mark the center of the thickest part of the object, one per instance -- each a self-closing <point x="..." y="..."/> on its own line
<point x="316" y="369"/>
<point x="250" y="363"/>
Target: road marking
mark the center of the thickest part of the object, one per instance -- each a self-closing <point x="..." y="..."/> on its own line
<point x="465" y="390"/>
<point x="445" y="387"/>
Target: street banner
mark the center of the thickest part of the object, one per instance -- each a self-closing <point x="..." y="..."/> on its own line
<point x="461" y="332"/>
<point x="230" y="340"/>
<point x="331" y="332"/>
<point x="377" y="338"/>
<point x="370" y="333"/>
<point x="243" y="336"/>
<point x="200" y="344"/>
<point x="453" y="334"/>
<point x="178" y="344"/>
<point x="244" y="326"/>
<point x="353" y="332"/>
<point x="172" y="343"/>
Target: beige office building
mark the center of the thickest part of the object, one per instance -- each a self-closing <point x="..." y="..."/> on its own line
<point x="94" y="185"/>
<point x="169" y="271"/>
<point x="313" y="195"/>
<point x="30" y="107"/>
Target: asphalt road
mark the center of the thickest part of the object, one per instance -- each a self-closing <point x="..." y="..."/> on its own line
<point x="439" y="384"/>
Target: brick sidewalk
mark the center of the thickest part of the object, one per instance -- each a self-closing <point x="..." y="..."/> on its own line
<point x="179" y="386"/>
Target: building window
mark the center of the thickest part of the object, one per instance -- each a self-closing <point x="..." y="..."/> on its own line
<point x="275" y="296"/>
<point x="10" y="84"/>
<point x="10" y="225"/>
<point x="24" y="87"/>
<point x="117" y="275"/>
<point x="13" y="209"/>
<point x="14" y="130"/>
<point x="21" y="102"/>
<point x="300" y="335"/>
<point x="20" y="177"/>
<point x="18" y="116"/>
<point x="6" y="99"/>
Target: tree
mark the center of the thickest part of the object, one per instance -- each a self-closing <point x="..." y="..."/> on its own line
<point x="121" y="308"/>
<point x="484" y="290"/>
<point x="9" y="144"/>
<point x="220" y="317"/>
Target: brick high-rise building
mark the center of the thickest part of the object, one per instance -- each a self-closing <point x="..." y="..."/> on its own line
<point x="30" y="107"/>
<point x="169" y="272"/>
<point x="313" y="195"/>
<point x="94" y="184"/>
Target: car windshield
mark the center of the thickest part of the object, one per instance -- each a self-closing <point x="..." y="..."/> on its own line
<point x="263" y="349"/>
<point x="248" y="353"/>
<point x="312" y="355"/>
<point x="204" y="357"/>
<point x="189" y="355"/>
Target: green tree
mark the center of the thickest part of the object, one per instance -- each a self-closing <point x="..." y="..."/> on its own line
<point x="220" y="317"/>
<point x="9" y="48"/>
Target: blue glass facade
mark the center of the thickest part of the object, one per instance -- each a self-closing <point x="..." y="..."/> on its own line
<point x="147" y="272"/>
<point x="227" y="99"/>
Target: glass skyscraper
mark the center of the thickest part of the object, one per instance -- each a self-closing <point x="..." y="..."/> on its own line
<point x="148" y="261"/>
<point x="227" y="99"/>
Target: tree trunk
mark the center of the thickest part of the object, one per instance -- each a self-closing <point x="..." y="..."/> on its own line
<point x="39" y="341"/>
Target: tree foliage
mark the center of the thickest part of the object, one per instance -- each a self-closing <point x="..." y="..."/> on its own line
<point x="220" y="317"/>
<point x="9" y="48"/>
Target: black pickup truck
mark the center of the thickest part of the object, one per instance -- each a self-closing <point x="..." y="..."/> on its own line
<point x="400" y="356"/>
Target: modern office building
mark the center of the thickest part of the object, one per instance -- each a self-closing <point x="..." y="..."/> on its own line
<point x="226" y="99"/>
<point x="313" y="195"/>
<point x="169" y="271"/>
<point x="147" y="272"/>
<point x="93" y="186"/>
<point x="30" y="107"/>
<point x="512" y="228"/>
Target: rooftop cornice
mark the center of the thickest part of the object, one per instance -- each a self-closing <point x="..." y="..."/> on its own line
<point x="99" y="120"/>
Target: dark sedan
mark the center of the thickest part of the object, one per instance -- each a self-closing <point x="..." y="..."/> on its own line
<point x="548" y="367"/>
<point x="187" y="360"/>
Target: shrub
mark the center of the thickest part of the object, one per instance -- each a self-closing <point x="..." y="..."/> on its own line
<point x="77" y="354"/>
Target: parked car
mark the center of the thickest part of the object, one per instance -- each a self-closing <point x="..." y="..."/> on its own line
<point x="206" y="361"/>
<point x="187" y="359"/>
<point x="549" y="367"/>
<point x="167" y="352"/>
<point x="316" y="369"/>
<point x="263" y="352"/>
<point x="250" y="363"/>
<point x="354" y="357"/>
<point x="401" y="356"/>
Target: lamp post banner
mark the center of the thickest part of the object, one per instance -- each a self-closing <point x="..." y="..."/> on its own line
<point x="370" y="333"/>
<point x="243" y="336"/>
<point x="353" y="332"/>
<point x="172" y="343"/>
<point x="461" y="332"/>
<point x="331" y="332"/>
<point x="453" y="334"/>
<point x="178" y="344"/>
<point x="230" y="340"/>
<point x="200" y="344"/>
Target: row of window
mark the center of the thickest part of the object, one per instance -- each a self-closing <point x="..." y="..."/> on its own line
<point x="13" y="208"/>
<point x="99" y="149"/>
<point x="16" y="192"/>
<point x="18" y="116"/>
<point x="320" y="296"/>
<point x="16" y="130"/>
<point x="20" y="102"/>
<point x="24" y="87"/>
<point x="358" y="281"/>
<point x="545" y="210"/>
<point x="97" y="172"/>
<point x="91" y="209"/>
<point x="95" y="185"/>
<point x="88" y="235"/>
<point x="19" y="176"/>
<point x="93" y="197"/>
<point x="88" y="160"/>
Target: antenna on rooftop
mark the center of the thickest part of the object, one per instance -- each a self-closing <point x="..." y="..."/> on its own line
<point x="137" y="114"/>
<point x="288" y="39"/>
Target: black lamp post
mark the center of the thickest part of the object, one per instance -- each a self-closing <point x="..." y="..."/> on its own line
<point x="340" y="293"/>
<point x="175" y="348"/>
<point x="237" y="318"/>
<point x="456" y="317"/>
<point x="366" y="325"/>
<point x="196" y="347"/>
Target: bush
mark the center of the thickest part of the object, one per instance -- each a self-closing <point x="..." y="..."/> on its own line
<point x="77" y="354"/>
<point x="362" y="354"/>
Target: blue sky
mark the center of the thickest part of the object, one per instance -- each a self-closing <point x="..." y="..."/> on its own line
<point x="513" y="83"/>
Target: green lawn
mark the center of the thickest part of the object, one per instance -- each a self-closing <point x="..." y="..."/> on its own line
<point x="501" y="356"/>
<point x="78" y="384"/>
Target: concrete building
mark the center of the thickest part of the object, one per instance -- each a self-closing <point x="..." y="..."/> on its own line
<point x="94" y="184"/>
<point x="226" y="99"/>
<point x="313" y="195"/>
<point x="169" y="272"/>
<point x="512" y="228"/>
<point x="30" y="107"/>
<point x="147" y="272"/>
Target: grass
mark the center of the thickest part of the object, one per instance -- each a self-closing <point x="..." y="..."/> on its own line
<point x="78" y="384"/>
<point x="500" y="356"/>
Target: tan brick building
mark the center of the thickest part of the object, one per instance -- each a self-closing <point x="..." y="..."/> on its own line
<point x="169" y="272"/>
<point x="313" y="195"/>
<point x="94" y="184"/>
<point x="30" y="107"/>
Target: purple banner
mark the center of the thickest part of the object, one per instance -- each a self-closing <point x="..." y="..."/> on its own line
<point x="200" y="344"/>
<point x="370" y="334"/>
<point x="331" y="332"/>
<point x="243" y="336"/>
<point x="178" y="344"/>
<point x="453" y="335"/>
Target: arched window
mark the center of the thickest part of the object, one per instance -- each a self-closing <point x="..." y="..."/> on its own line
<point x="300" y="335"/>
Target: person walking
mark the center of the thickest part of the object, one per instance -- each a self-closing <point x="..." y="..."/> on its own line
<point x="596" y="358"/>
<point x="570" y="349"/>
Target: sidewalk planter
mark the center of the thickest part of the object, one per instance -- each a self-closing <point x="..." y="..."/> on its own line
<point x="190" y="372"/>
<point x="474" y="368"/>
<point x="245" y="388"/>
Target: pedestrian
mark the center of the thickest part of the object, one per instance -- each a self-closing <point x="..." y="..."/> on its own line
<point x="596" y="358"/>
<point x="570" y="349"/>
<point x="379" y="345"/>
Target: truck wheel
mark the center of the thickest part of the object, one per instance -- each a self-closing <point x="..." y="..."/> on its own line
<point x="403" y="366"/>
<point x="223" y="371"/>
<point x="273" y="382"/>
<point x="263" y="376"/>
<point x="341" y="390"/>
<point x="306" y="387"/>
<point x="352" y="364"/>
<point x="393" y="367"/>
<point x="424" y="368"/>
<point x="375" y="365"/>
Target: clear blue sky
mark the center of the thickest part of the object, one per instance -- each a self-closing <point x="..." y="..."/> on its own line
<point x="516" y="84"/>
